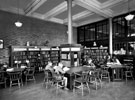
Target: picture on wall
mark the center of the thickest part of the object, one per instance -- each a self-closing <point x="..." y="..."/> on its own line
<point x="1" y="44"/>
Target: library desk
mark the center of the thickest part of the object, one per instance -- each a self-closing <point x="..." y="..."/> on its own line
<point x="117" y="72"/>
<point x="16" y="70"/>
<point x="70" y="74"/>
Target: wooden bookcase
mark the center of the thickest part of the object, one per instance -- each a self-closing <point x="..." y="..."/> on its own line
<point x="96" y="53"/>
<point x="38" y="56"/>
<point x="18" y="55"/>
<point x="55" y="55"/>
<point x="45" y="55"/>
<point x="70" y="52"/>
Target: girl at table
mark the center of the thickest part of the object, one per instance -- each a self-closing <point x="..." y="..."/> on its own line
<point x="90" y="63"/>
<point x="112" y="60"/>
<point x="59" y="70"/>
<point x="49" y="66"/>
<point x="116" y="60"/>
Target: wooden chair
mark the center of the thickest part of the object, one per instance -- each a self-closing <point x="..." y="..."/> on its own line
<point x="105" y="74"/>
<point x="57" y="80"/>
<point x="30" y="74"/>
<point x="94" y="78"/>
<point x="81" y="81"/>
<point x="129" y="73"/>
<point x="47" y="78"/>
<point x="15" y="78"/>
<point x="2" y="78"/>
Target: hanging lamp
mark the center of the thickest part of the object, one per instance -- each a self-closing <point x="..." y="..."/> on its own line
<point x="18" y="23"/>
<point x="129" y="16"/>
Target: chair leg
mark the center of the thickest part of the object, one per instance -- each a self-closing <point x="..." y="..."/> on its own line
<point x="34" y="78"/>
<point x="74" y="87"/>
<point x="132" y="76"/>
<point x="19" y="83"/>
<point x="5" y="84"/>
<point x="88" y="87"/>
<point x="82" y="89"/>
<point x="100" y="82"/>
<point x="96" y="83"/>
<point x="26" y="79"/>
<point x="10" y="83"/>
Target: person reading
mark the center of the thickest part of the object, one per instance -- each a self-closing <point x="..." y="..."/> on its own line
<point x="59" y="71"/>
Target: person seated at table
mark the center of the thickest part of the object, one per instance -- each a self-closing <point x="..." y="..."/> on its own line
<point x="84" y="60"/>
<point x="90" y="63"/>
<point x="116" y="60"/>
<point x="112" y="60"/>
<point x="49" y="66"/>
<point x="59" y="70"/>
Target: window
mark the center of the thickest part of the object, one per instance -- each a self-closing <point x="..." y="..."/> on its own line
<point x="81" y="34"/>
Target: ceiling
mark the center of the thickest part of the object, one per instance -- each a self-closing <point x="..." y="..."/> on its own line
<point x="83" y="11"/>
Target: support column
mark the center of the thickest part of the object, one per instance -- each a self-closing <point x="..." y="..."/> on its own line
<point x="70" y="31"/>
<point x="110" y="37"/>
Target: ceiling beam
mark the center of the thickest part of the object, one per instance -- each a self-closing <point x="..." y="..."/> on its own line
<point x="56" y="10"/>
<point x="37" y="15"/>
<point x="89" y="21"/>
<point x="56" y="20"/>
<point x="111" y="3"/>
<point x="80" y="15"/>
<point x="33" y="6"/>
<point x="14" y="10"/>
<point x="90" y="5"/>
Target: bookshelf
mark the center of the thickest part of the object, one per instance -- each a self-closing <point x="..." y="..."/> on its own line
<point x="55" y="55"/>
<point x="96" y="53"/>
<point x="37" y="56"/>
<point x="45" y="55"/>
<point x="18" y="56"/>
<point x="70" y="52"/>
<point x="34" y="57"/>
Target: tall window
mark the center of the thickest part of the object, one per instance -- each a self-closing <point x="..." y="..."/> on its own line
<point x="119" y="27"/>
<point x="89" y="33"/>
<point x="81" y="34"/>
<point x="93" y="32"/>
<point x="102" y="30"/>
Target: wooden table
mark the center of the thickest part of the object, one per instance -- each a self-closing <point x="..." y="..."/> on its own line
<point x="17" y="70"/>
<point x="117" y="72"/>
<point x="70" y="74"/>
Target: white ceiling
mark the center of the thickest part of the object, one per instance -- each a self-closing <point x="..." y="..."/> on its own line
<point x="83" y="11"/>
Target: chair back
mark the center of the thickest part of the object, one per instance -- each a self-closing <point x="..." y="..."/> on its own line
<point x="47" y="73"/>
<point x="14" y="75"/>
<point x="30" y="71"/>
<point x="84" y="75"/>
<point x="2" y="77"/>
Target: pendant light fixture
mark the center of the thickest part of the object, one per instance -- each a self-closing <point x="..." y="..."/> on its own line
<point x="129" y="16"/>
<point x="18" y="23"/>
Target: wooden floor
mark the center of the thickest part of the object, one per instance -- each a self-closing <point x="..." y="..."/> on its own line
<point x="37" y="91"/>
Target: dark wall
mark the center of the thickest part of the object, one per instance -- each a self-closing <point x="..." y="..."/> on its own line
<point x="36" y="31"/>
